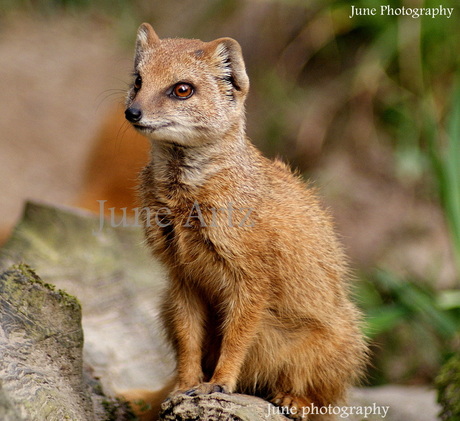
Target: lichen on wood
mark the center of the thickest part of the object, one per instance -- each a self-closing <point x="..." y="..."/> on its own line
<point x="448" y="386"/>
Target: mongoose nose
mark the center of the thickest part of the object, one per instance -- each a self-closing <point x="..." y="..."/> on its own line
<point x="133" y="114"/>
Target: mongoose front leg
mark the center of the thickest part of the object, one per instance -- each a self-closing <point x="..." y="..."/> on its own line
<point x="183" y="313"/>
<point x="243" y="315"/>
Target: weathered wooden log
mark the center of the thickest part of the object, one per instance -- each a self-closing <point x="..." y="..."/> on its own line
<point x="41" y="364"/>
<point x="219" y="407"/>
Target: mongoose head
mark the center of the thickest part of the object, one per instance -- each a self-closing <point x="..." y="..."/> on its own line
<point x="186" y="92"/>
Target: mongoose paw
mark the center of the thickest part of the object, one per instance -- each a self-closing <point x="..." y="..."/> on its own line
<point x="206" y="389"/>
<point x="293" y="406"/>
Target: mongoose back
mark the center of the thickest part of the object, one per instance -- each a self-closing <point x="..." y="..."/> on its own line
<point x="257" y="300"/>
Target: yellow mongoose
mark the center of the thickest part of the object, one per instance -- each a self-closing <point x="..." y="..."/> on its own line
<point x="257" y="299"/>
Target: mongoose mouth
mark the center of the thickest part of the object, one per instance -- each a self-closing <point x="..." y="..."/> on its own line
<point x="149" y="129"/>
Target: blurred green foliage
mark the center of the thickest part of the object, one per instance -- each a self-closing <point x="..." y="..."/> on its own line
<point x="323" y="82"/>
<point x="444" y="152"/>
<point x="410" y="324"/>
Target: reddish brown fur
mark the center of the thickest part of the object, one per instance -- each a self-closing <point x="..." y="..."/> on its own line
<point x="260" y="307"/>
<point x="112" y="166"/>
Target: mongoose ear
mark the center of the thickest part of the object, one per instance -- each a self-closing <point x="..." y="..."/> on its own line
<point x="228" y="58"/>
<point x="146" y="37"/>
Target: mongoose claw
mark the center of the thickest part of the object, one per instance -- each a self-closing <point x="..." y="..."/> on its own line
<point x="206" y="389"/>
<point x="219" y="389"/>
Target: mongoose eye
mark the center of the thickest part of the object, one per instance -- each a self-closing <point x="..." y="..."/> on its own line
<point x="182" y="91"/>
<point x="138" y="83"/>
